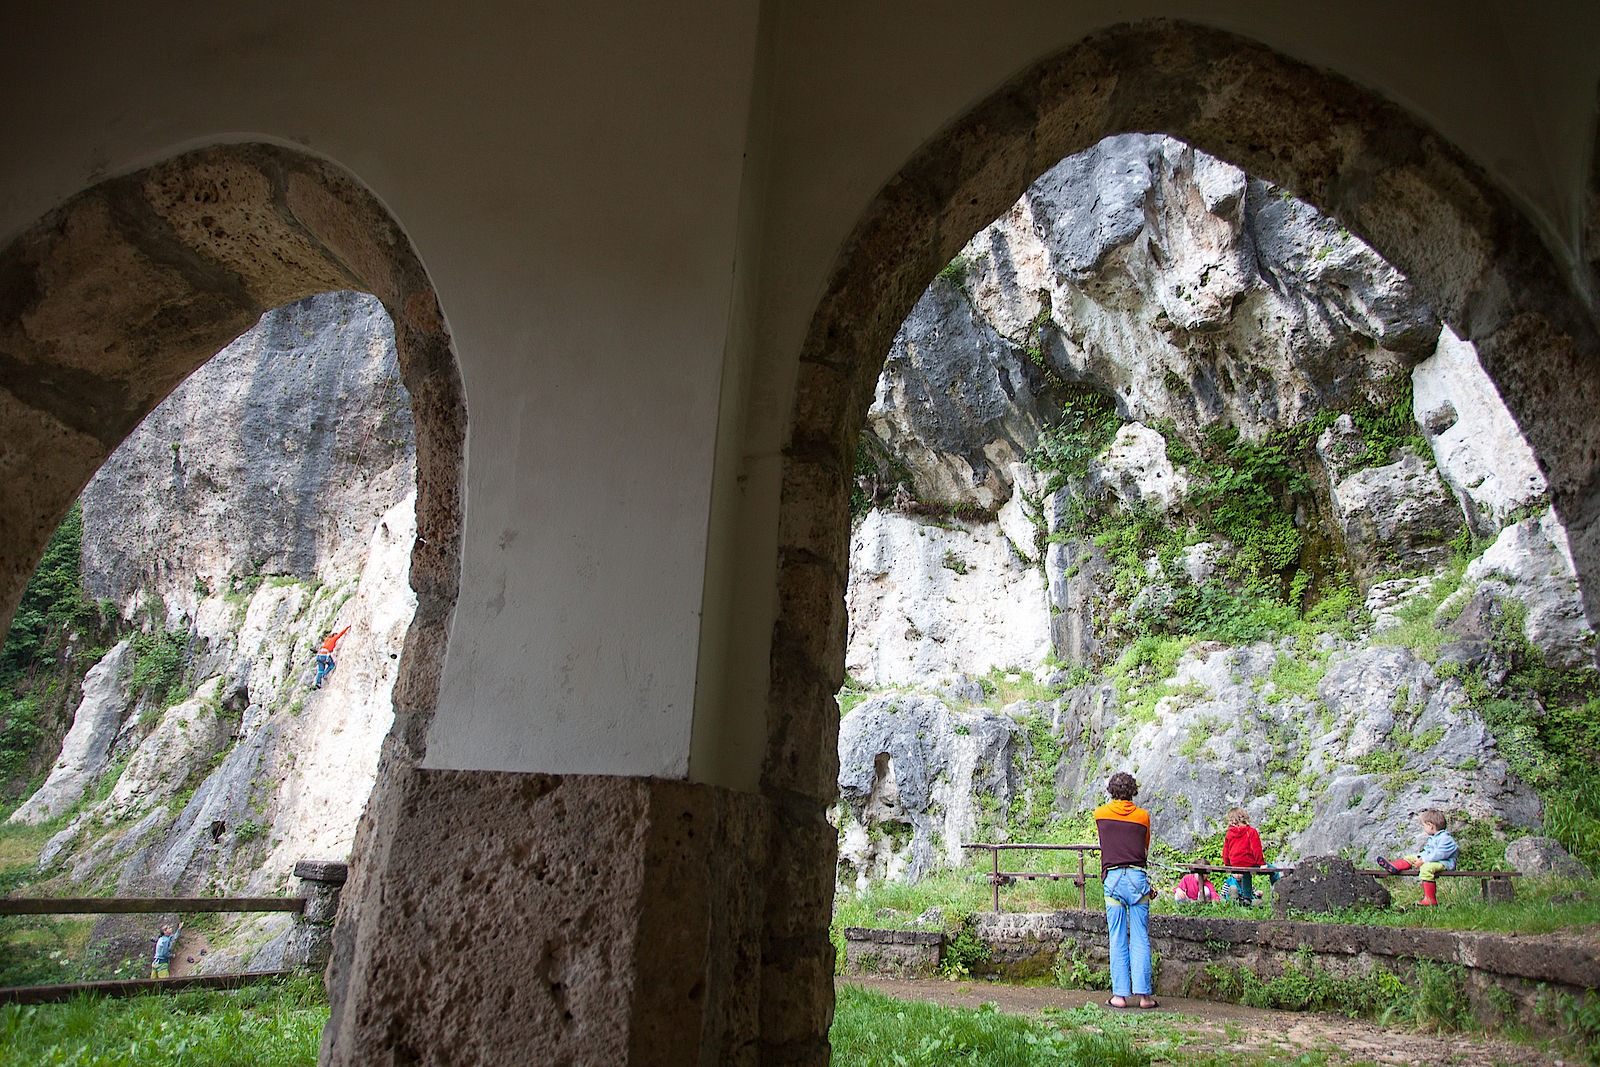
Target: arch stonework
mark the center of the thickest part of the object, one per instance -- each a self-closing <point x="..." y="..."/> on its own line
<point x="1396" y="184"/>
<point x="120" y="293"/>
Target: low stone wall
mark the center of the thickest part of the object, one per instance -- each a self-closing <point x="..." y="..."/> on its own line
<point x="901" y="953"/>
<point x="1508" y="977"/>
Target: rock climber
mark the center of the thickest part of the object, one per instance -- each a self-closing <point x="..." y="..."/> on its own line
<point x="325" y="662"/>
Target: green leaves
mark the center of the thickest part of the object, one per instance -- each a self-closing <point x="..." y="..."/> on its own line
<point x="52" y="602"/>
<point x="158" y="665"/>
<point x="1088" y="422"/>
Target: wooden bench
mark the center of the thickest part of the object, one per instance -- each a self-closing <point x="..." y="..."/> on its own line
<point x="1496" y="886"/>
<point x="1203" y="869"/>
<point x="1080" y="878"/>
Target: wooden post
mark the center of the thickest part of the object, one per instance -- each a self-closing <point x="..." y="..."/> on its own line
<point x="995" y="852"/>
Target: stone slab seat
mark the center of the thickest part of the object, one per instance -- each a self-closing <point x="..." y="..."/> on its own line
<point x="1496" y="886"/>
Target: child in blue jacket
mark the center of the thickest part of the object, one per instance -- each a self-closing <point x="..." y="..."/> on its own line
<point x="1438" y="854"/>
<point x="163" y="957"/>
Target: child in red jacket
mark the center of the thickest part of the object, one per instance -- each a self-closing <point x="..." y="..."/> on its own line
<point x="1241" y="847"/>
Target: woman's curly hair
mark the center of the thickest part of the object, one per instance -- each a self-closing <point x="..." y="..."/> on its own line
<point x="1122" y="786"/>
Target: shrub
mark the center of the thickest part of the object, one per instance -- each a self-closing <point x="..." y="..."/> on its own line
<point x="158" y="666"/>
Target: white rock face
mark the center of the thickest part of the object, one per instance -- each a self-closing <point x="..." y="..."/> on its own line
<point x="88" y="742"/>
<point x="908" y="760"/>
<point x="1136" y="471"/>
<point x="268" y="502"/>
<point x="312" y="442"/>
<point x="1017" y="520"/>
<point x="1533" y="558"/>
<point x="924" y="601"/>
<point x="1385" y="599"/>
<point x="1194" y="300"/>
<point x="1478" y="446"/>
<point x="186" y="735"/>
<point x="336" y="739"/>
<point x="1159" y="277"/>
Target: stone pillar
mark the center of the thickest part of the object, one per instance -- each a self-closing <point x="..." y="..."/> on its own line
<point x="536" y="918"/>
<point x="1499" y="891"/>
<point x="320" y="884"/>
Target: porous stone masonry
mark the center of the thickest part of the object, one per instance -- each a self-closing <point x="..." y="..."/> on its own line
<point x="594" y="920"/>
<point x="117" y="295"/>
<point x="1524" y="968"/>
<point x="902" y="953"/>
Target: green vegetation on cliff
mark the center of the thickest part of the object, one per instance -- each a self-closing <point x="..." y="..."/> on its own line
<point x="55" y="636"/>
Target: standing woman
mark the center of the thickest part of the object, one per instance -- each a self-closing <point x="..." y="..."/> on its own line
<point x="1124" y="845"/>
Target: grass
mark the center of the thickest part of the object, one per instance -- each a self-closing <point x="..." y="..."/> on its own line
<point x="1415" y="629"/>
<point x="873" y="1030"/>
<point x="1533" y="912"/>
<point x="20" y="846"/>
<point x="895" y="905"/>
<point x="1005" y="686"/>
<point x="268" y="1025"/>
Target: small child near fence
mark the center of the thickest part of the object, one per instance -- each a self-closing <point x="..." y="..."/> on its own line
<point x="1241" y="847"/>
<point x="161" y="962"/>
<point x="1438" y="854"/>
<point x="1191" y="889"/>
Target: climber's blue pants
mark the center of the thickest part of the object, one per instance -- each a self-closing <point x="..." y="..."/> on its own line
<point x="1128" y="923"/>
<point x="324" y="668"/>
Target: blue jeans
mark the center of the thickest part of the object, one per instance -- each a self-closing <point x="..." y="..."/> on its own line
<point x="1128" y="923"/>
<point x="324" y="668"/>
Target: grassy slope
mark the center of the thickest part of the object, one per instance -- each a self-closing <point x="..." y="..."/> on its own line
<point x="265" y="1026"/>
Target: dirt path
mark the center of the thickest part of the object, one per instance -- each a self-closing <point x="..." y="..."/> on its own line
<point x="1232" y="1028"/>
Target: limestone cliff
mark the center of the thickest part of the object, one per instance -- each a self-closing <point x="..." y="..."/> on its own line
<point x="268" y="501"/>
<point x="1185" y="472"/>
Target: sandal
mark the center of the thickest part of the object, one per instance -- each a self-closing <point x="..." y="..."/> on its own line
<point x="1117" y="1007"/>
<point x="1152" y="1003"/>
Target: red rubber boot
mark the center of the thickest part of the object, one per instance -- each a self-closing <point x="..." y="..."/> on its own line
<point x="1430" y="893"/>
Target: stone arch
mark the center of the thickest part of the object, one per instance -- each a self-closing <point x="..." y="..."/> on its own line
<point x="1398" y="185"/>
<point x="116" y="296"/>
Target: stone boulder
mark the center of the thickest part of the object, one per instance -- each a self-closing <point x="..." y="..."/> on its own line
<point x="1326" y="883"/>
<point x="914" y="776"/>
<point x="1397" y="515"/>
<point x="957" y="403"/>
<point x="1136" y="472"/>
<point x="186" y="737"/>
<point x="1543" y="855"/>
<point x="1534" y="561"/>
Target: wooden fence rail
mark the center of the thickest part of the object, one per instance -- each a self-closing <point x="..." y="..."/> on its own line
<point x="1079" y="879"/>
<point x="44" y="994"/>
<point x="143" y="905"/>
<point x="51" y="994"/>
